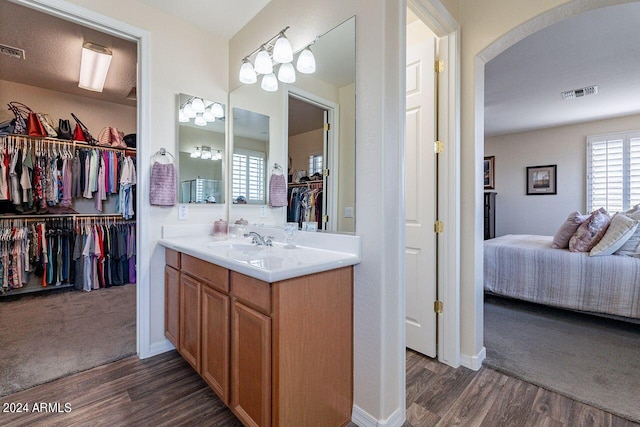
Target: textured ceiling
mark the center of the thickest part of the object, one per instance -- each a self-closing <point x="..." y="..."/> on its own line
<point x="52" y="54"/>
<point x="601" y="47"/>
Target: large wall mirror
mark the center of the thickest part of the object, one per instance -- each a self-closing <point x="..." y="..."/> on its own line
<point x="249" y="160"/>
<point x="311" y="127"/>
<point x="201" y="146"/>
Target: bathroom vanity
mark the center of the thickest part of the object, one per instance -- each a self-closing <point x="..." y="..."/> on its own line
<point x="269" y="329"/>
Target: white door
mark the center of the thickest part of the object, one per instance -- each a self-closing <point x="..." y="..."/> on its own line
<point x="420" y="198"/>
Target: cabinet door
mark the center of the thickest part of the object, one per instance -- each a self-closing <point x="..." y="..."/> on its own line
<point x="190" y="320"/>
<point x="215" y="341"/>
<point x="250" y="365"/>
<point x="171" y="304"/>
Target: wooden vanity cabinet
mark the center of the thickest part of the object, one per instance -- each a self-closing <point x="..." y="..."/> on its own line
<point x="172" y="296"/>
<point x="278" y="354"/>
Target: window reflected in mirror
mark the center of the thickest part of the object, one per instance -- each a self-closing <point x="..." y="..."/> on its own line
<point x="250" y="155"/>
<point x="201" y="141"/>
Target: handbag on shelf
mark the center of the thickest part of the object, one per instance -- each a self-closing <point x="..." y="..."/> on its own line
<point x="130" y="140"/>
<point x="78" y="135"/>
<point x="104" y="137"/>
<point x="48" y="124"/>
<point x="21" y="113"/>
<point x="81" y="128"/>
<point x="64" y="129"/>
<point x="117" y="138"/>
<point x="34" y="125"/>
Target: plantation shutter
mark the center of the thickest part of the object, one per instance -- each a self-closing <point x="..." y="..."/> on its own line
<point x="248" y="176"/>
<point x="613" y="171"/>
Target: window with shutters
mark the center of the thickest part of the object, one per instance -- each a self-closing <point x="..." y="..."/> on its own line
<point x="613" y="171"/>
<point x="315" y="164"/>
<point x="248" y="176"/>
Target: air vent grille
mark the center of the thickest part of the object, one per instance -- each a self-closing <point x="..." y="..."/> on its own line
<point x="13" y="52"/>
<point x="578" y="93"/>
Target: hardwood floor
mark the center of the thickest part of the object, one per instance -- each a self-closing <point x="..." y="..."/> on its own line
<point x="165" y="391"/>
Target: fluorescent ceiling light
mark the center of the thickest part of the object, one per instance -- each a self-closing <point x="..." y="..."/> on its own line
<point x="94" y="66"/>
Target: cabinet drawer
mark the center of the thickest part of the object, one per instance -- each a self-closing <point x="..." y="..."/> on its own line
<point x="215" y="276"/>
<point x="172" y="258"/>
<point x="253" y="292"/>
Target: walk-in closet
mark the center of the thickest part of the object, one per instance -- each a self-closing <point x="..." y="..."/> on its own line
<point x="68" y="179"/>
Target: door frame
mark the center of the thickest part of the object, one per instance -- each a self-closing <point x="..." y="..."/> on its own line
<point x="89" y="18"/>
<point x="333" y="142"/>
<point x="440" y="21"/>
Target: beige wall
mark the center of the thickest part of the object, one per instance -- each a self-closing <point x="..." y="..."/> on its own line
<point x="182" y="59"/>
<point x="565" y="146"/>
<point x="379" y="338"/>
<point x="347" y="157"/>
<point x="303" y="145"/>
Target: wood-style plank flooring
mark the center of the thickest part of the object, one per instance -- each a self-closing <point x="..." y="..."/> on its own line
<point x="165" y="391"/>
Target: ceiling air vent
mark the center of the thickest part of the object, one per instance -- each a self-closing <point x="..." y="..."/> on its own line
<point x="13" y="52"/>
<point x="577" y="93"/>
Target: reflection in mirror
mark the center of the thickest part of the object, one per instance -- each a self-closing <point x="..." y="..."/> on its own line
<point x="201" y="138"/>
<point x="250" y="155"/>
<point x="321" y="131"/>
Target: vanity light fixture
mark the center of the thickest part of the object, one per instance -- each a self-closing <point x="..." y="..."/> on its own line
<point x="94" y="65"/>
<point x="277" y="49"/>
<point x="196" y="108"/>
<point x="196" y="154"/>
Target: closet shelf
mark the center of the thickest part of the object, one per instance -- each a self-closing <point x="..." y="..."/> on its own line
<point x="76" y="144"/>
<point x="33" y="288"/>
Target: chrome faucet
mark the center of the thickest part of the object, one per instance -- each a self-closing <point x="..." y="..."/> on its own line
<point x="259" y="240"/>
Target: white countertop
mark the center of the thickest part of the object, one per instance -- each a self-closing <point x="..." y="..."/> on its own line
<point x="314" y="252"/>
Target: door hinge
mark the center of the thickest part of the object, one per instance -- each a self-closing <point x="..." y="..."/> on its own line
<point x="439" y="66"/>
<point x="327" y="126"/>
<point x="438" y="307"/>
<point x="325" y="218"/>
<point x="438" y="147"/>
<point x="325" y="172"/>
<point x="438" y="226"/>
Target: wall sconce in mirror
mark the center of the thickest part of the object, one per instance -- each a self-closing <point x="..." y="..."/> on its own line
<point x="195" y="108"/>
<point x="276" y="50"/>
<point x="94" y="65"/>
<point x="206" y="153"/>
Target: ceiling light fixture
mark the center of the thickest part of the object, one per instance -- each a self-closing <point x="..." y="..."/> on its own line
<point x="94" y="65"/>
<point x="277" y="49"/>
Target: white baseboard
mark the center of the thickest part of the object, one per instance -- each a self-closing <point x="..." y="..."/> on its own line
<point x="363" y="419"/>
<point x="159" y="347"/>
<point x="473" y="362"/>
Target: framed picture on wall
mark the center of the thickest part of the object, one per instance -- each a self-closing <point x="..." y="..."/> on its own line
<point x="541" y="180"/>
<point x="489" y="172"/>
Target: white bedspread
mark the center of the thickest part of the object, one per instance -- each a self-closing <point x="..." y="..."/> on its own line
<point x="526" y="267"/>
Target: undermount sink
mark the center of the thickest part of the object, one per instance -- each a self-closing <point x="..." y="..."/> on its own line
<point x="232" y="246"/>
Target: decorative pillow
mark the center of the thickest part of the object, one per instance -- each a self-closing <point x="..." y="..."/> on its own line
<point x="632" y="246"/>
<point x="620" y="229"/>
<point x="634" y="210"/>
<point x="590" y="232"/>
<point x="568" y="229"/>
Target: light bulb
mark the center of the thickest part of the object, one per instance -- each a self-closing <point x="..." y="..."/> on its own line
<point x="200" y="120"/>
<point x="286" y="73"/>
<point x="263" y="63"/>
<point x="208" y="114"/>
<point x="282" y="51"/>
<point x="188" y="111"/>
<point x="206" y="153"/>
<point x="182" y="117"/>
<point x="197" y="105"/>
<point x="217" y="110"/>
<point x="269" y="82"/>
<point x="247" y="73"/>
<point x="196" y="154"/>
<point x="306" y="62"/>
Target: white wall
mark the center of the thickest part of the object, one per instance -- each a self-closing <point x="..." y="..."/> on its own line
<point x="379" y="388"/>
<point x="517" y="213"/>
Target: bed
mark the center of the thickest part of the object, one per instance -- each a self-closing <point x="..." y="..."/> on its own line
<point x="526" y="267"/>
